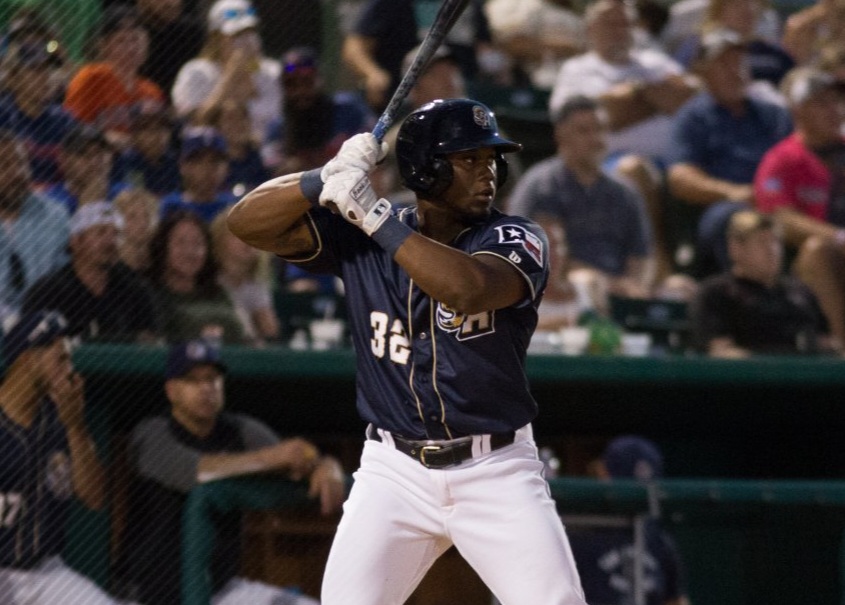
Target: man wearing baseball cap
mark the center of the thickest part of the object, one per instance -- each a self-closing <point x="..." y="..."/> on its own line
<point x="204" y="166"/>
<point x="46" y="459"/>
<point x="197" y="442"/>
<point x="101" y="297"/>
<point x="799" y="180"/>
<point x="30" y="108"/>
<point x="718" y="139"/>
<point x="605" y="554"/>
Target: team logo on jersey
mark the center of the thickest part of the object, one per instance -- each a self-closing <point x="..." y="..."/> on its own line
<point x="514" y="234"/>
<point x="480" y="116"/>
<point x="464" y="326"/>
<point x="58" y="476"/>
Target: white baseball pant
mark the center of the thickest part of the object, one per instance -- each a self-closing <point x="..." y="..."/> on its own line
<point x="496" y="509"/>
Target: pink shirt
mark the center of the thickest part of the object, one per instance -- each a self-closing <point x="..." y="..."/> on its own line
<point x="790" y="175"/>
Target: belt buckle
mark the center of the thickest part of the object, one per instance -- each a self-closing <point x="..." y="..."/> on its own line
<point x="428" y="448"/>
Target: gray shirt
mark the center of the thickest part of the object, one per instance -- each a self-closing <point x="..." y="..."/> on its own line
<point x="160" y="456"/>
<point x="606" y="224"/>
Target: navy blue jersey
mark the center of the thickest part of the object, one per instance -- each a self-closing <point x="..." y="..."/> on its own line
<point x="35" y="488"/>
<point x="425" y="370"/>
<point x="605" y="556"/>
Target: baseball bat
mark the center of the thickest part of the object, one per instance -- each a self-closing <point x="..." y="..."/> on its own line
<point x="446" y="16"/>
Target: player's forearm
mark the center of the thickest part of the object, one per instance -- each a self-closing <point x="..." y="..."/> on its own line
<point x="271" y="217"/>
<point x="88" y="474"/>
<point x="469" y="284"/>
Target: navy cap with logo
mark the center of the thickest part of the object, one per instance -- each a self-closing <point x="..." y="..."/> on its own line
<point x="32" y="331"/>
<point x="184" y="357"/>
<point x="633" y="457"/>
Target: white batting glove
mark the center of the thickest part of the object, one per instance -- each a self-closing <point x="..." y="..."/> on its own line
<point x="361" y="152"/>
<point x="351" y="192"/>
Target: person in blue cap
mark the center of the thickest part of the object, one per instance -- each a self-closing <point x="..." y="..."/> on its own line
<point x="47" y="458"/>
<point x="605" y="555"/>
<point x="198" y="442"/>
<point x="204" y="167"/>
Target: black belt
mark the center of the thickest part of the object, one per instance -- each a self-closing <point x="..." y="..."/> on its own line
<point x="442" y="454"/>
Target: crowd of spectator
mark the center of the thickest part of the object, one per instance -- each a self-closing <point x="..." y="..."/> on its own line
<point x="125" y="139"/>
<point x="665" y="120"/>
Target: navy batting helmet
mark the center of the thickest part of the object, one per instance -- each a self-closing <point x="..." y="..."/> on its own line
<point x="440" y="128"/>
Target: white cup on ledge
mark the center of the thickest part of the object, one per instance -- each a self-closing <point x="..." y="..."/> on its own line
<point x="326" y="333"/>
<point x="574" y="340"/>
<point x="636" y="344"/>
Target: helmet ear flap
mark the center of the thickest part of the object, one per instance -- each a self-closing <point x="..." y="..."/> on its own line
<point x="441" y="173"/>
<point x="501" y="170"/>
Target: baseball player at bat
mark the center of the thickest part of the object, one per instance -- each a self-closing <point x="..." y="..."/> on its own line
<point x="46" y="458"/>
<point x="442" y="299"/>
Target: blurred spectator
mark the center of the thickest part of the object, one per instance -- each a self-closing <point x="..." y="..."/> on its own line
<point x="106" y="92"/>
<point x="686" y="18"/>
<point x="48" y="466"/>
<point x="175" y="38"/>
<point x="538" y="34"/>
<point x="800" y="181"/>
<point x="807" y="31"/>
<point x="230" y="65"/>
<point x="150" y="161"/>
<point x="754" y="308"/>
<point x="607" y="228"/>
<point x="246" y="167"/>
<point x="86" y="161"/>
<point x="184" y="274"/>
<point x="718" y="140"/>
<point x="139" y="210"/>
<point x="102" y="299"/>
<point x="34" y="233"/>
<point x="832" y="60"/>
<point x="27" y="107"/>
<point x="314" y="122"/>
<point x="767" y="60"/>
<point x="245" y="274"/>
<point x="561" y="306"/>
<point x="606" y="556"/>
<point x="46" y="20"/>
<point x="387" y="29"/>
<point x="441" y="79"/>
<point x="640" y="89"/>
<point x="204" y="166"/>
<point x="196" y="442"/>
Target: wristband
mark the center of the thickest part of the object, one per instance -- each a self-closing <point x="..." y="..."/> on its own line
<point x="311" y="185"/>
<point x="391" y="235"/>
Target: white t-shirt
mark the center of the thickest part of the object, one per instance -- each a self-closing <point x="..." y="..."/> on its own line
<point x="541" y="20"/>
<point x="198" y="77"/>
<point x="592" y="76"/>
